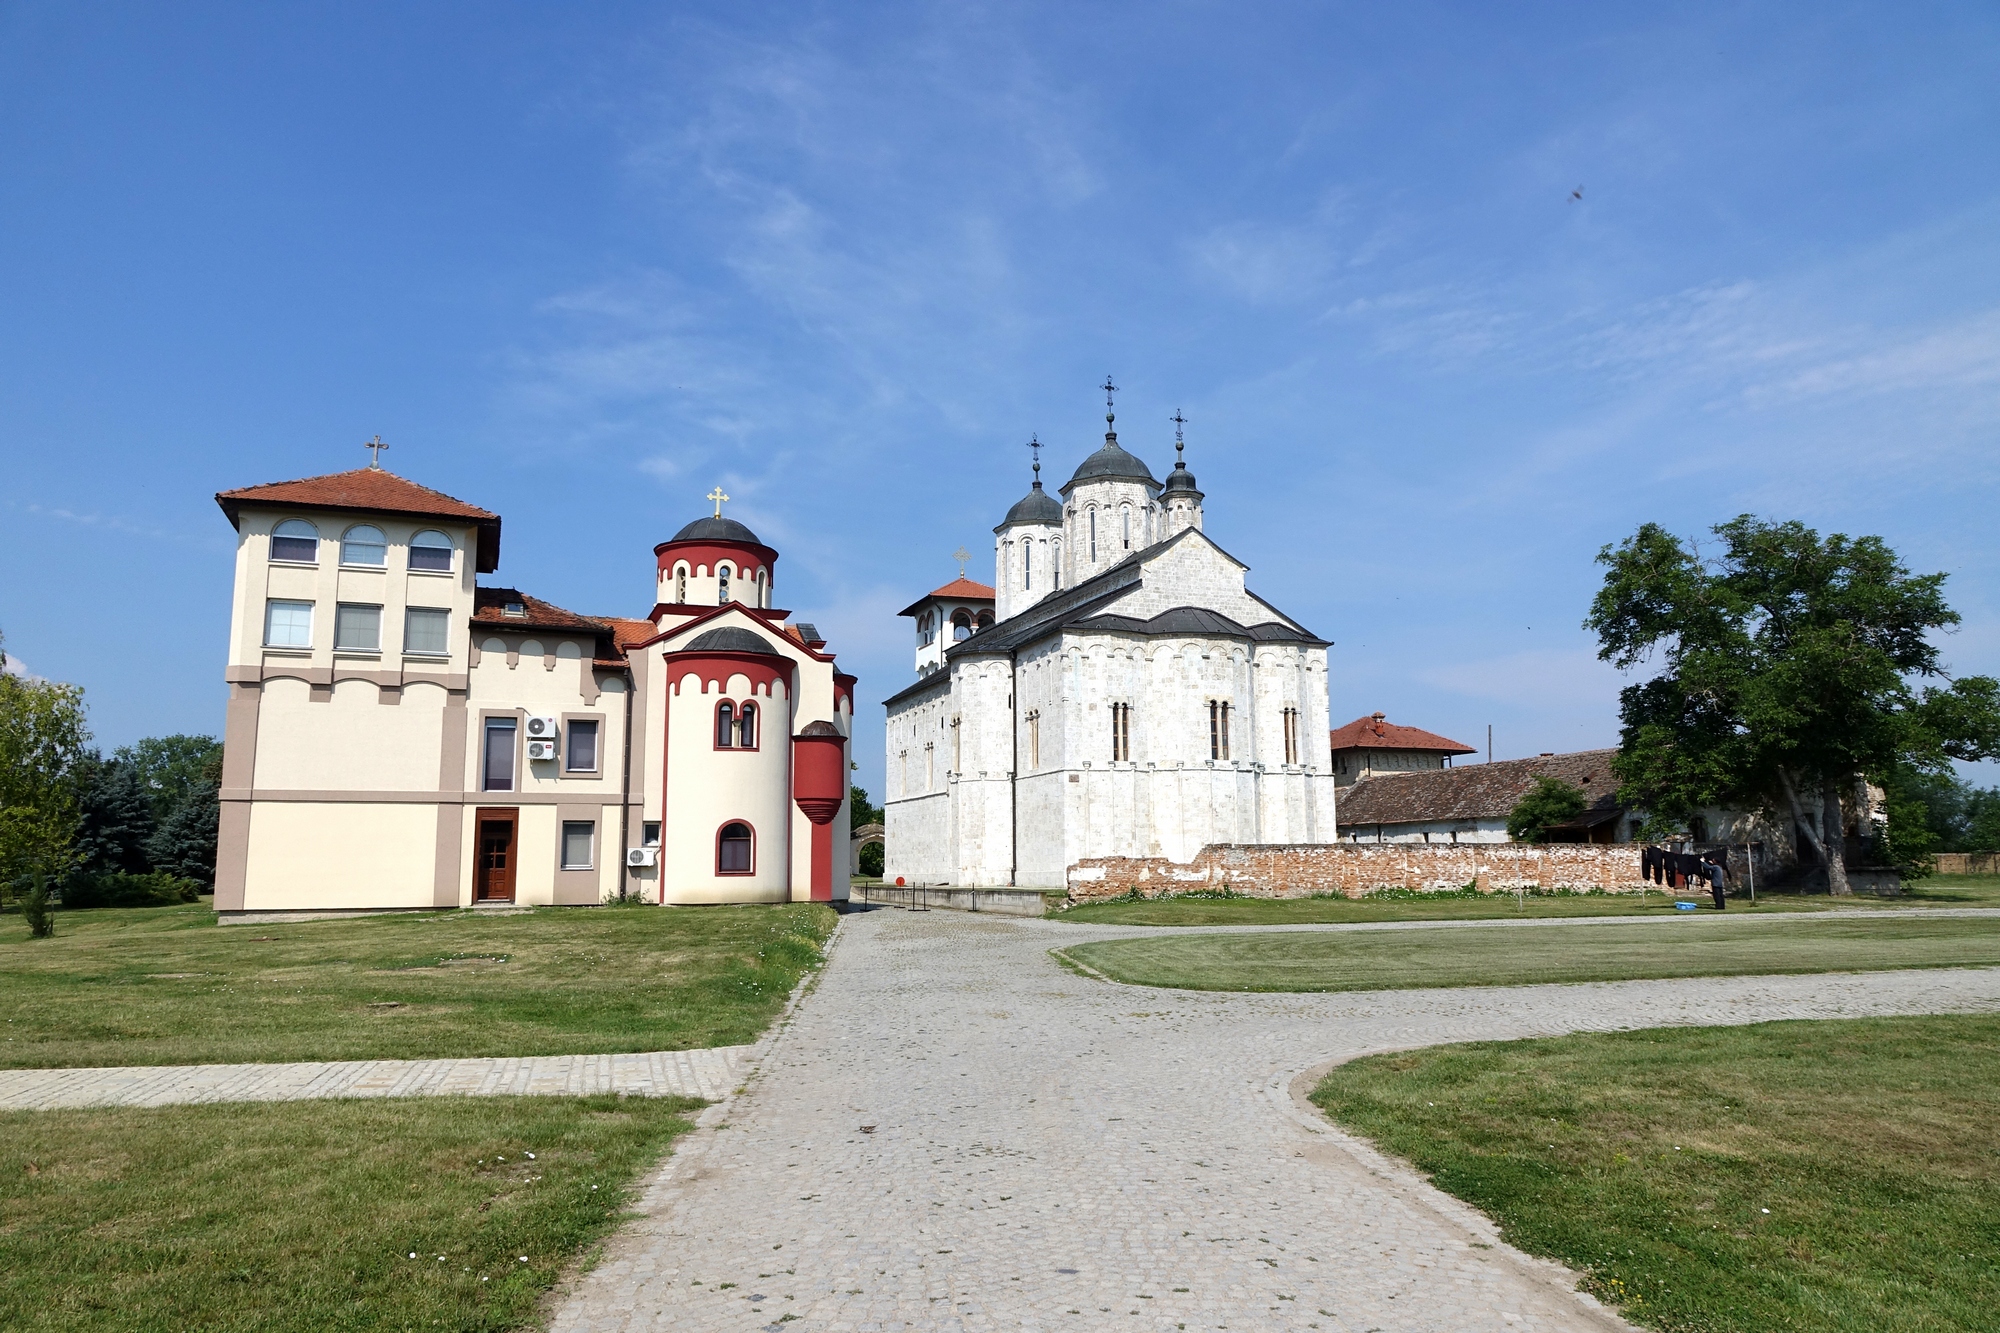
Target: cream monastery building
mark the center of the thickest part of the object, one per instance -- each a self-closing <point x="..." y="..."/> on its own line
<point x="1118" y="692"/>
<point x="399" y="736"/>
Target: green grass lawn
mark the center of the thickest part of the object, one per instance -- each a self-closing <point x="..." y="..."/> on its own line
<point x="1820" y="1176"/>
<point x="1942" y="891"/>
<point x="1507" y="956"/>
<point x="169" y="986"/>
<point x="304" y="1215"/>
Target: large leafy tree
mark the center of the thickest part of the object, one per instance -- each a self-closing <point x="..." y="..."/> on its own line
<point x="43" y="757"/>
<point x="170" y="768"/>
<point x="1791" y="667"/>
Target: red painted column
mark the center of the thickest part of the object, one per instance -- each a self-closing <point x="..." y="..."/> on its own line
<point x="819" y="783"/>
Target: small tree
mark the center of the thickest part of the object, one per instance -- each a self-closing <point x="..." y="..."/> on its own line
<point x="1550" y="802"/>
<point x="1788" y="664"/>
<point x="862" y="813"/>
<point x="43" y="753"/>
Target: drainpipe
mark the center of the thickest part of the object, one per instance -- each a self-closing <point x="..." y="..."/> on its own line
<point x="625" y="795"/>
<point x="1014" y="776"/>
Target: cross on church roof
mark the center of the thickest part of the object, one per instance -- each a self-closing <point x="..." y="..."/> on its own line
<point x="1035" y="443"/>
<point x="717" y="496"/>
<point x="1109" y="389"/>
<point x="1178" y="421"/>
<point x="375" y="459"/>
<point x="961" y="555"/>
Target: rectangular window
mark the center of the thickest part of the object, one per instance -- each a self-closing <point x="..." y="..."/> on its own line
<point x="357" y="627"/>
<point x="956" y="753"/>
<point x="1035" y="739"/>
<point x="427" y="630"/>
<point x="580" y="749"/>
<point x="930" y="767"/>
<point x="432" y="558"/>
<point x="577" y="838"/>
<point x="652" y="832"/>
<point x="288" y="624"/>
<point x="1121" y="732"/>
<point x="497" y="770"/>
<point x="1218" y="729"/>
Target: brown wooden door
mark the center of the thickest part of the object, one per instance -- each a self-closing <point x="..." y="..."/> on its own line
<point x="493" y="872"/>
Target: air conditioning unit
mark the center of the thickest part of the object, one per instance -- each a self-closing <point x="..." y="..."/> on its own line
<point x="541" y="749"/>
<point x="542" y="729"/>
<point x="642" y="856"/>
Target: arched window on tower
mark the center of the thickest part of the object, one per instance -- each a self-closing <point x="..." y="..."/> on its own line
<point x="1027" y="563"/>
<point x="1093" y="536"/>
<point x="1125" y="517"/>
<point x="725" y="725"/>
<point x="961" y="625"/>
<point x="722" y="585"/>
<point x="985" y="619"/>
<point x="746" y="727"/>
<point x="680" y="583"/>
<point x="733" y="847"/>
<point x="1055" y="564"/>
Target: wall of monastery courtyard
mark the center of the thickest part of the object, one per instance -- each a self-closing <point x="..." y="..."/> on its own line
<point x="1354" y="869"/>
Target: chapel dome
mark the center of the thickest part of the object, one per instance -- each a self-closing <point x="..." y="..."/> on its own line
<point x="1181" y="480"/>
<point x="1037" y="506"/>
<point x="716" y="529"/>
<point x="1111" y="462"/>
<point x="729" y="639"/>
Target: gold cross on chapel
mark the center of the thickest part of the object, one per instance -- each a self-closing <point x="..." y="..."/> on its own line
<point x="375" y="459"/>
<point x="961" y="555"/>
<point x="717" y="496"/>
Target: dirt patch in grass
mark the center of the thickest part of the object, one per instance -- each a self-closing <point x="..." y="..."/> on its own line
<point x="1804" y="1175"/>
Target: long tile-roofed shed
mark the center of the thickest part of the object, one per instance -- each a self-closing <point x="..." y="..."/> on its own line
<point x="1481" y="791"/>
<point x="512" y="609"/>
<point x="369" y="490"/>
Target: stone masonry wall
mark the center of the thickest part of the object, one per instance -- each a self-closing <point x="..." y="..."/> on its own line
<point x="1356" y="868"/>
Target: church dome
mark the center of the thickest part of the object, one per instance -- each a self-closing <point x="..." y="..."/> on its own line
<point x="1111" y="463"/>
<point x="1180" y="480"/>
<point x="730" y="638"/>
<point x="1037" y="506"/>
<point x="716" y="530"/>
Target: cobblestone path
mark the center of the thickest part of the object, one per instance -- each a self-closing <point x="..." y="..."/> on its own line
<point x="708" y="1074"/>
<point x="953" y="1133"/>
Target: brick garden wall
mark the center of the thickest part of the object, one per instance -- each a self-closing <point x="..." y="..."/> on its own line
<point x="1355" y="868"/>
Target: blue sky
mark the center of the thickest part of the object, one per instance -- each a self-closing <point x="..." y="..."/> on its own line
<point x="579" y="264"/>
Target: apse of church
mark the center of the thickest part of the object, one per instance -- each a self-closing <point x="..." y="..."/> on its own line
<point x="1129" y="697"/>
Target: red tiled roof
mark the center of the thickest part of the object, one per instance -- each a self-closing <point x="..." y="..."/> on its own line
<point x="1475" y="791"/>
<point x="1374" y="733"/>
<point x="489" y="607"/>
<point x="374" y="490"/>
<point x="960" y="589"/>
<point x="627" y="633"/>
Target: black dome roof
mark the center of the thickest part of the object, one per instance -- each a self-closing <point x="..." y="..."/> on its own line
<point x="1110" y="462"/>
<point x="716" y="529"/>
<point x="1180" y="479"/>
<point x="730" y="638"/>
<point x="1037" y="506"/>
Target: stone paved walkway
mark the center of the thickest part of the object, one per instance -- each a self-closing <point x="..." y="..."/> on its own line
<point x="709" y="1074"/>
<point x="953" y="1133"/>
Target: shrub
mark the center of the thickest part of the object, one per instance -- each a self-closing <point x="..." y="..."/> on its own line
<point x="35" y="908"/>
<point x="121" y="890"/>
<point x="1549" y="802"/>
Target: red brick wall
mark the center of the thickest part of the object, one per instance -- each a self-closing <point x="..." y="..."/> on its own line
<point x="1356" y="868"/>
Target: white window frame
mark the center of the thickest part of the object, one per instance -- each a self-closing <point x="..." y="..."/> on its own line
<point x="278" y="532"/>
<point x="347" y="540"/>
<point x="271" y="604"/>
<point x="409" y="615"/>
<point x="445" y="544"/>
<point x="339" y="625"/>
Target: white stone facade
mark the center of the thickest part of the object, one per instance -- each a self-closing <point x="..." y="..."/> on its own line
<point x="1148" y="705"/>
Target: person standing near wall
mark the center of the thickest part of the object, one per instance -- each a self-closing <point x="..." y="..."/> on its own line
<point x="1716" y="877"/>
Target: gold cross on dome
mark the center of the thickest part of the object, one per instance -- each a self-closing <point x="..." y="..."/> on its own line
<point x="717" y="496"/>
<point x="375" y="459"/>
<point x="961" y="555"/>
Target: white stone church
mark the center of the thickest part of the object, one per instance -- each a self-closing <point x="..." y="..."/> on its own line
<point x="1120" y="692"/>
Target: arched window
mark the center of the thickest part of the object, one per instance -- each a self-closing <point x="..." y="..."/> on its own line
<point x="725" y="725"/>
<point x="1093" y="536"/>
<point x="757" y="587"/>
<point x="430" y="549"/>
<point x="295" y="539"/>
<point x="364" y="544"/>
<point x="961" y="625"/>
<point x="734" y="847"/>
<point x="1055" y="564"/>
<point x="1125" y="517"/>
<point x="680" y="583"/>
<point x="722" y="585"/>
<point x="746" y="727"/>
<point x="985" y="619"/>
<point x="1027" y="564"/>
